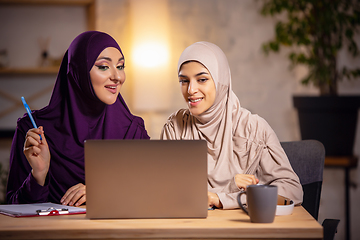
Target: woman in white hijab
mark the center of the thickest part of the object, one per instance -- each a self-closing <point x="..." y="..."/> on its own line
<point x="242" y="147"/>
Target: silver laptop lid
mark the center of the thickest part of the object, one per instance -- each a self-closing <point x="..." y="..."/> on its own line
<point x="146" y="178"/>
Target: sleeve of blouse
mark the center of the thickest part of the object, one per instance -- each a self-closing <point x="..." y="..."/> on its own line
<point x="275" y="168"/>
<point x="22" y="186"/>
<point x="168" y="132"/>
<point x="229" y="195"/>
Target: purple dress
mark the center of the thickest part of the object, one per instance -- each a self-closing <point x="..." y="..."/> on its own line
<point x="73" y="115"/>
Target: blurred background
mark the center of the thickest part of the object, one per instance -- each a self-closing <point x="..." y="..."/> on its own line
<point x="152" y="35"/>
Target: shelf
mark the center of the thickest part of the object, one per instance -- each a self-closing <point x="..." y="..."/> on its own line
<point x="22" y="71"/>
<point x="48" y="2"/>
<point x="88" y="4"/>
<point x="341" y="161"/>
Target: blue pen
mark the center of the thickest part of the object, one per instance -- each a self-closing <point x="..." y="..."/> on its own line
<point x="29" y="113"/>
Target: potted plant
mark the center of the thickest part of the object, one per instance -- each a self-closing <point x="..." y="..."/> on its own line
<point x="317" y="30"/>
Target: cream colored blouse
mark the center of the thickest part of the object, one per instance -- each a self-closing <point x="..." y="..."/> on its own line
<point x="238" y="142"/>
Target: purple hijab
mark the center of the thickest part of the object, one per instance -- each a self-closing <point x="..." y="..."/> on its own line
<point x="73" y="115"/>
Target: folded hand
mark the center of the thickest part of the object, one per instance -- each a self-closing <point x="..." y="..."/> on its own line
<point x="74" y="196"/>
<point x="213" y="200"/>
<point x="243" y="180"/>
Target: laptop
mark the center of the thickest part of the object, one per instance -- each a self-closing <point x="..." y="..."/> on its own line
<point x="146" y="179"/>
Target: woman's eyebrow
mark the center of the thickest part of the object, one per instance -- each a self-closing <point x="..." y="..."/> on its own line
<point x="198" y="74"/>
<point x="109" y="59"/>
<point x="104" y="58"/>
<point x="201" y="73"/>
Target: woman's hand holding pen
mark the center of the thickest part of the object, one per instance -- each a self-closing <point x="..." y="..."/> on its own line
<point x="37" y="153"/>
<point x="243" y="180"/>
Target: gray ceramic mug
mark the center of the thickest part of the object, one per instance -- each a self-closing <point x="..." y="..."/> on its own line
<point x="261" y="203"/>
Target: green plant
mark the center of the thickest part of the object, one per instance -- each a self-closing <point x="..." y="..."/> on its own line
<point x="318" y="29"/>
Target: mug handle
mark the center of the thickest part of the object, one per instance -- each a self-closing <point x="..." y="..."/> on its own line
<point x="240" y="204"/>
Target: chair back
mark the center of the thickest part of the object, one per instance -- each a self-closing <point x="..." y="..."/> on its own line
<point x="307" y="159"/>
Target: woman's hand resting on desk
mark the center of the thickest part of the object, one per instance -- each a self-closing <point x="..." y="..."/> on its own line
<point x="74" y="196"/>
<point x="213" y="200"/>
<point x="243" y="180"/>
<point x="37" y="153"/>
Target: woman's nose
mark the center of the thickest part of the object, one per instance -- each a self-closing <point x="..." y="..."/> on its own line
<point x="192" y="89"/>
<point x="115" y="75"/>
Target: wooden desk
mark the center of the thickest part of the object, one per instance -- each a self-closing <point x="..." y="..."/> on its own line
<point x="220" y="224"/>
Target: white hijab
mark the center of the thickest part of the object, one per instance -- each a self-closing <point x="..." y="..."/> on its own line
<point x="215" y="125"/>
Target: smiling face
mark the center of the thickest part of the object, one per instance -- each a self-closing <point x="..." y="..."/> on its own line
<point x="107" y="75"/>
<point x="197" y="87"/>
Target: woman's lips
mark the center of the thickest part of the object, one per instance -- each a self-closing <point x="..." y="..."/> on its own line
<point x="111" y="88"/>
<point x="195" y="101"/>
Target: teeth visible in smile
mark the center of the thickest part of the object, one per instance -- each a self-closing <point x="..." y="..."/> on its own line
<point x="112" y="87"/>
<point x="195" y="100"/>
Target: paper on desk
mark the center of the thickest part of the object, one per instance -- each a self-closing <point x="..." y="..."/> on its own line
<point x="29" y="210"/>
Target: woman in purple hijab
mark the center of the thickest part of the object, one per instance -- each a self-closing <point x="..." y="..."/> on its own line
<point x="85" y="104"/>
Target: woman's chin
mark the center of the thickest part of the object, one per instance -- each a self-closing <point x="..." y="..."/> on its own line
<point x="195" y="112"/>
<point x="110" y="101"/>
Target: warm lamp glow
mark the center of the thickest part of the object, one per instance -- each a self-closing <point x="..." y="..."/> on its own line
<point x="151" y="58"/>
<point x="150" y="54"/>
